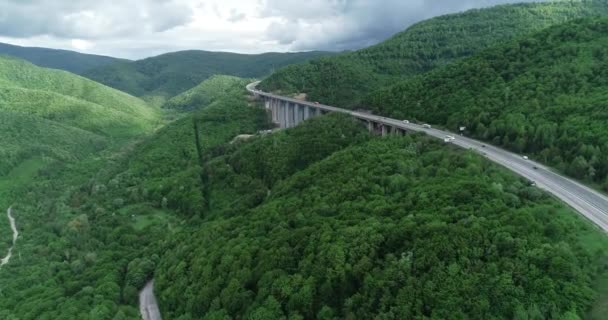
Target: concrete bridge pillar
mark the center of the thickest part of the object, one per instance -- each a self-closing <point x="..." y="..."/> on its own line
<point x="370" y="126"/>
<point x="289" y="115"/>
<point x="285" y="114"/>
<point x="273" y="110"/>
<point x="306" y="112"/>
<point x="301" y="109"/>
<point x="384" y="129"/>
<point x="296" y="114"/>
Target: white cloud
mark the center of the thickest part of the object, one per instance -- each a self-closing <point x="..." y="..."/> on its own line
<point x="139" y="28"/>
<point x="82" y="45"/>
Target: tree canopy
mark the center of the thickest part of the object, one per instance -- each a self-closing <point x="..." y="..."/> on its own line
<point x="345" y="80"/>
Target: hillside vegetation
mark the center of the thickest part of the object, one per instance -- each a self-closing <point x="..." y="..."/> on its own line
<point x="319" y="221"/>
<point x="546" y="95"/>
<point x="50" y="112"/>
<point x="57" y="59"/>
<point x="345" y="79"/>
<point x="208" y="91"/>
<point x="91" y="233"/>
<point x="325" y="222"/>
<point x="169" y="74"/>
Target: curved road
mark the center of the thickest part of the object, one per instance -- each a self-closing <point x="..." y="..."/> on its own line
<point x="588" y="202"/>
<point x="9" y="214"/>
<point x="148" y="307"/>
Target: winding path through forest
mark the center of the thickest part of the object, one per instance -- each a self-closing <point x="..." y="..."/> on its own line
<point x="148" y="307"/>
<point x="9" y="214"/>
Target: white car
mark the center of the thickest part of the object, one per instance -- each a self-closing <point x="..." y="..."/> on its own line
<point x="525" y="158"/>
<point x="406" y="121"/>
<point x="451" y="138"/>
<point x="426" y="126"/>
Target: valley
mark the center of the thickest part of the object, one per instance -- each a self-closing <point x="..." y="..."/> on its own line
<point x="13" y="225"/>
<point x="167" y="188"/>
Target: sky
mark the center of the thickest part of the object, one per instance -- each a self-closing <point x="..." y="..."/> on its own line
<point x="136" y="29"/>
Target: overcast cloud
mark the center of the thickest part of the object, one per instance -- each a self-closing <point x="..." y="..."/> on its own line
<point x="141" y="28"/>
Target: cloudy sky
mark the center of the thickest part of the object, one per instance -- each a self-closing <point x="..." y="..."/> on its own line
<point x="140" y="28"/>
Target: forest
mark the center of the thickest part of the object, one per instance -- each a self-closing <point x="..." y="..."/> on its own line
<point x="321" y="221"/>
<point x="53" y="114"/>
<point x="345" y="80"/>
<point x="543" y="95"/>
<point x="58" y="59"/>
<point x="396" y="228"/>
<point x="159" y="78"/>
<point x="92" y="229"/>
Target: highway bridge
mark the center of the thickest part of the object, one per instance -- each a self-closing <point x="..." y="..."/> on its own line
<point x="288" y="112"/>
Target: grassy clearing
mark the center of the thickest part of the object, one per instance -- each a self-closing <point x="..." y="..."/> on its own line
<point x="143" y="215"/>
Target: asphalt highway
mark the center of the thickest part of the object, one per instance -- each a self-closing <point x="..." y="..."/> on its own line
<point x="148" y="307"/>
<point x="590" y="203"/>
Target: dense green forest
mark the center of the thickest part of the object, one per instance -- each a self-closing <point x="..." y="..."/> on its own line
<point x="162" y="77"/>
<point x="208" y="91"/>
<point x="319" y="221"/>
<point x="344" y="80"/>
<point x="91" y="232"/>
<point x="327" y="222"/>
<point x="58" y="59"/>
<point x="324" y="220"/>
<point x="545" y="95"/>
<point x="57" y="115"/>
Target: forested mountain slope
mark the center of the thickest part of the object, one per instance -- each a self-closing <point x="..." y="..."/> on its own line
<point x="546" y="95"/>
<point x="91" y="232"/>
<point x="319" y="221"/>
<point x="323" y="221"/>
<point x="57" y="59"/>
<point x="344" y="80"/>
<point x="50" y="113"/>
<point x="169" y="74"/>
<point x="205" y="93"/>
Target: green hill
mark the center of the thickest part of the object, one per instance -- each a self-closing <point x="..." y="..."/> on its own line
<point x="345" y="79"/>
<point x="169" y="74"/>
<point x="323" y="221"/>
<point x="318" y="221"/>
<point x="206" y="92"/>
<point x="546" y="95"/>
<point x="92" y="231"/>
<point x="73" y="110"/>
<point x="57" y="59"/>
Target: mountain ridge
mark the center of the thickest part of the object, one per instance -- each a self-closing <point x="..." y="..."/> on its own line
<point x="68" y="60"/>
<point x="344" y="80"/>
<point x="170" y="74"/>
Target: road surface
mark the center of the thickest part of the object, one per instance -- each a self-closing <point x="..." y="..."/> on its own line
<point x="590" y="203"/>
<point x="148" y="307"/>
<point x="9" y="214"/>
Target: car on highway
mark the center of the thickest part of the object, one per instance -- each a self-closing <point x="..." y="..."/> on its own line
<point x="526" y="158"/>
<point x="426" y="126"/>
<point x="535" y="168"/>
<point x="406" y="121"/>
